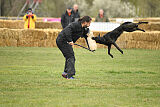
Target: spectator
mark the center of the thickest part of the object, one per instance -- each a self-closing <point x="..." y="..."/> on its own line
<point x="67" y="17"/>
<point x="29" y="19"/>
<point x="101" y="17"/>
<point x="75" y="12"/>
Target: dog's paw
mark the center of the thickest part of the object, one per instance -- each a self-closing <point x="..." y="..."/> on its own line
<point x="122" y="52"/>
<point x="111" y="56"/>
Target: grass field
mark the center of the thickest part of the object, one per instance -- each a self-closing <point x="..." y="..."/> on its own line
<point x="31" y="77"/>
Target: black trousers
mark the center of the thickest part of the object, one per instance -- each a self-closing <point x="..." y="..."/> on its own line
<point x="68" y="53"/>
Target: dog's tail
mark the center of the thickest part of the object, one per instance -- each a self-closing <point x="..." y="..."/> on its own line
<point x="99" y="39"/>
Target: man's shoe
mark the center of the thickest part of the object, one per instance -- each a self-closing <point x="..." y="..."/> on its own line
<point x="64" y="74"/>
<point x="71" y="78"/>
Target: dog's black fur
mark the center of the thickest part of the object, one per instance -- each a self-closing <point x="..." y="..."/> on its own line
<point x="111" y="37"/>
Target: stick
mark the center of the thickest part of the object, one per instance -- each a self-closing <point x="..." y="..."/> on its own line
<point x="84" y="47"/>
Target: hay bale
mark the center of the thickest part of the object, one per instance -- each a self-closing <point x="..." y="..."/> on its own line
<point x="155" y="26"/>
<point x="146" y="27"/>
<point x="12" y="24"/>
<point x="131" y="44"/>
<point x="47" y="38"/>
<point x="152" y="26"/>
<point x="148" y="19"/>
<point x="11" y="42"/>
<point x="2" y="42"/>
<point x="46" y="25"/>
<point x="153" y="36"/>
<point x="146" y="45"/>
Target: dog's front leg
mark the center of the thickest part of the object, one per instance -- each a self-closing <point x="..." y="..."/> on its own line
<point x="117" y="47"/>
<point x="109" y="48"/>
<point x="140" y="29"/>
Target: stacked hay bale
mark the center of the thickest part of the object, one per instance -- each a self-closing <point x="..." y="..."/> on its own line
<point x="142" y="40"/>
<point x="9" y="37"/>
<point x="151" y="26"/>
<point x="12" y="24"/>
<point x="47" y="38"/>
<point x="28" y="37"/>
<point x="13" y="34"/>
<point x="46" y="25"/>
<point x="19" y="24"/>
<point x="153" y="19"/>
<point x="38" y="38"/>
<point x="147" y="40"/>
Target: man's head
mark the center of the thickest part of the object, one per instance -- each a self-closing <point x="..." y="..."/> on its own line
<point x="101" y="12"/>
<point x="75" y="7"/>
<point x="69" y="9"/>
<point x="85" y="21"/>
<point x="29" y="11"/>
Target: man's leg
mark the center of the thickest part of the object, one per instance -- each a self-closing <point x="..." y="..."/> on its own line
<point x="68" y="53"/>
<point x="70" y="66"/>
<point x="64" y="74"/>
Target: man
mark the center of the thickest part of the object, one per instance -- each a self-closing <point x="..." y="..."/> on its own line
<point x="67" y="17"/>
<point x="75" y="12"/>
<point x="66" y="39"/>
<point x="29" y="19"/>
<point x="101" y="17"/>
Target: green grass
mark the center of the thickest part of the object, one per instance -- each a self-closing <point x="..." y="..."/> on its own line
<point x="31" y="77"/>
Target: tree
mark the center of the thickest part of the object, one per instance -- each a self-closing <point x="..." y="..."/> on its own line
<point x="113" y="8"/>
<point x="11" y="7"/>
<point x="2" y="7"/>
<point x="146" y="8"/>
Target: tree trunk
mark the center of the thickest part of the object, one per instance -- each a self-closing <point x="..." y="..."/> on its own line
<point x="2" y="8"/>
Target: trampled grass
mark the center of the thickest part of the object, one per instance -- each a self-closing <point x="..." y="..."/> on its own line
<point x="31" y="77"/>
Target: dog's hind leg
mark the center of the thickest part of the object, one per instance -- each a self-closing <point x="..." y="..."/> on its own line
<point x="109" y="48"/>
<point x="117" y="47"/>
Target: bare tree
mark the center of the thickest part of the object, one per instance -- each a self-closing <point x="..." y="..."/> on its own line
<point x="2" y="7"/>
<point x="113" y="8"/>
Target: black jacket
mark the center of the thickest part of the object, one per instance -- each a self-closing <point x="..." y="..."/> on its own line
<point x="76" y="14"/>
<point x="66" y="19"/>
<point x="73" y="32"/>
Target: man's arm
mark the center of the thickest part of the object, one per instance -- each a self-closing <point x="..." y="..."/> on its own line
<point x="86" y="31"/>
<point x="25" y="17"/>
<point x="34" y="17"/>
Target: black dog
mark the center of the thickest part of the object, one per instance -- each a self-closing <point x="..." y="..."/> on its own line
<point x="111" y="37"/>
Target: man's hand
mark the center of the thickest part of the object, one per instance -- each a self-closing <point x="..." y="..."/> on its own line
<point x="86" y="30"/>
<point x="71" y="43"/>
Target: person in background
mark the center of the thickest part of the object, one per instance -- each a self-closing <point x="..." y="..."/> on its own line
<point x="29" y="19"/>
<point x="66" y="39"/>
<point x="67" y="17"/>
<point x="76" y="12"/>
<point x="101" y="17"/>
